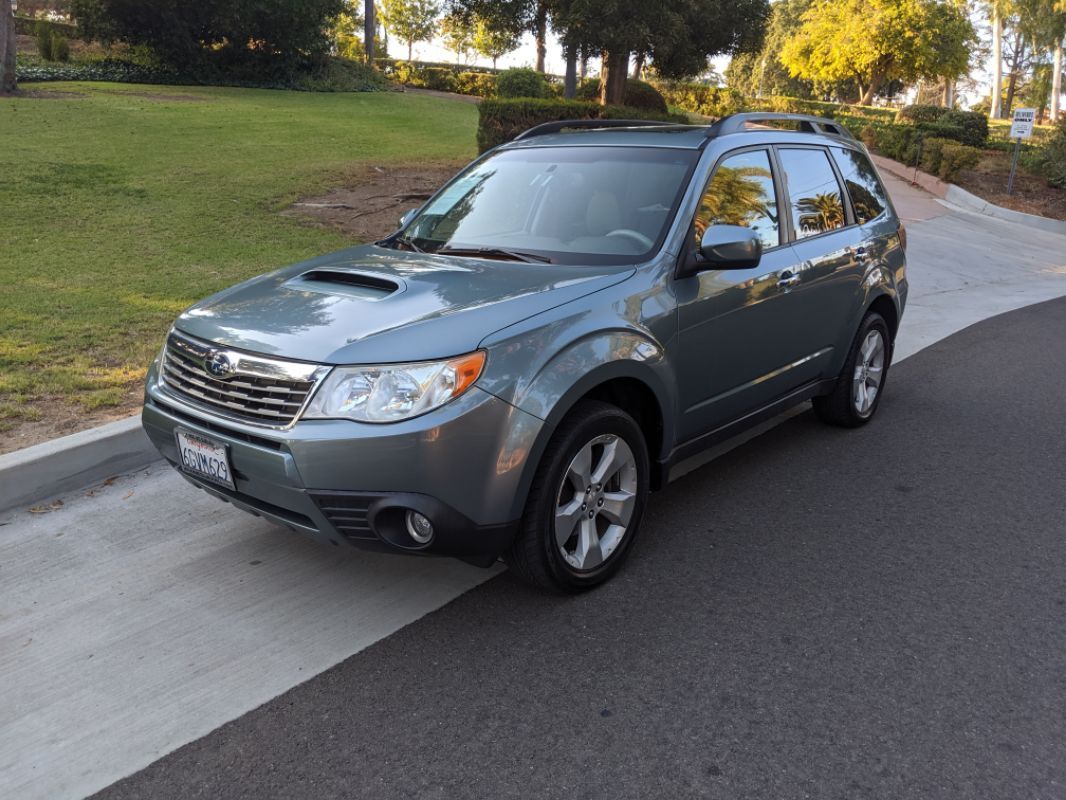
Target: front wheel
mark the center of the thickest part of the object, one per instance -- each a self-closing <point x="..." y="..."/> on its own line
<point x="586" y="501"/>
<point x="861" y="384"/>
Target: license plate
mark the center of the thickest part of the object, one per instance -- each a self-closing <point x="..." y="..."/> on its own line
<point x="205" y="458"/>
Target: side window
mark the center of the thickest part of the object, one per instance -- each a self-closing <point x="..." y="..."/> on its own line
<point x="741" y="193"/>
<point x="814" y="195"/>
<point x="866" y="192"/>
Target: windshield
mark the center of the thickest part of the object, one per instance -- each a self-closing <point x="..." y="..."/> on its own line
<point x="567" y="205"/>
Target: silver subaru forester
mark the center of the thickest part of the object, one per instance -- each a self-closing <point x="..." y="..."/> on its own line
<point x="514" y="370"/>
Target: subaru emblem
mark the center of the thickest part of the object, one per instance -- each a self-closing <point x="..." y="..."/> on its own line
<point x="218" y="364"/>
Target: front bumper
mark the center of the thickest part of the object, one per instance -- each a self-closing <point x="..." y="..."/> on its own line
<point x="345" y="482"/>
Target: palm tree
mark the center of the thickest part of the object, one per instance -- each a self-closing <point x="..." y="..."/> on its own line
<point x="998" y="11"/>
<point x="823" y="212"/>
<point x="1056" y="63"/>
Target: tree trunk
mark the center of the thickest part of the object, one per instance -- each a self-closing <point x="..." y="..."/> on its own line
<point x="541" y="33"/>
<point x="570" y="79"/>
<point x="7" y="49"/>
<point x="949" y="93"/>
<point x="613" y="76"/>
<point x="494" y="60"/>
<point x="1056" y="83"/>
<point x="583" y="67"/>
<point x="638" y="66"/>
<point x="997" y="65"/>
<point x="1012" y="83"/>
<point x="368" y="30"/>
<point x="410" y="51"/>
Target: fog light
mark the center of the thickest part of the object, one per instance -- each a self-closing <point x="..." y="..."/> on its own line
<point x="419" y="528"/>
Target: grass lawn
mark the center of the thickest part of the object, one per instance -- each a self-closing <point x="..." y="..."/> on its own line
<point x="120" y="205"/>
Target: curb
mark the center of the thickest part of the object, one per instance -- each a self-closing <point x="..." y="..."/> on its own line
<point x="957" y="196"/>
<point x="73" y="462"/>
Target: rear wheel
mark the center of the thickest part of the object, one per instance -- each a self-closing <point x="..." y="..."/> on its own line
<point x="586" y="501"/>
<point x="861" y="384"/>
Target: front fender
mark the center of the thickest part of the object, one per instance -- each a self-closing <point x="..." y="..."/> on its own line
<point x="553" y="390"/>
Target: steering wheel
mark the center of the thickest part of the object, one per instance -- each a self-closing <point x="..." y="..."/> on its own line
<point x="635" y="236"/>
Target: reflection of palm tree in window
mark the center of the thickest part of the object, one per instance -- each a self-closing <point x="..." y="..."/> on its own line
<point x="866" y="205"/>
<point x="737" y="196"/>
<point x="820" y="213"/>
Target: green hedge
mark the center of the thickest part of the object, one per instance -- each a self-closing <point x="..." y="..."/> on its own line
<point x="336" y="75"/>
<point x="638" y="94"/>
<point x="1053" y="156"/>
<point x="968" y="127"/>
<point x="500" y="121"/>
<point x="479" y="84"/>
<point x="710" y="101"/>
<point x="946" y="158"/>
<point x="522" y="82"/>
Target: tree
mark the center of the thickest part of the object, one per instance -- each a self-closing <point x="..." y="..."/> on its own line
<point x="761" y="73"/>
<point x="8" y="83"/>
<point x="410" y="20"/>
<point x="458" y="34"/>
<point x="370" y="28"/>
<point x="185" y="34"/>
<point x="868" y="43"/>
<point x="492" y="40"/>
<point x="677" y="36"/>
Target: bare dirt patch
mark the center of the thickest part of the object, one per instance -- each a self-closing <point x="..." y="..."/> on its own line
<point x="49" y="94"/>
<point x="57" y="418"/>
<point x="1032" y="195"/>
<point x="371" y="205"/>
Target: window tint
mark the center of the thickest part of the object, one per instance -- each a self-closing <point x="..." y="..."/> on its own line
<point x="867" y="193"/>
<point x="813" y="192"/>
<point x="741" y="193"/>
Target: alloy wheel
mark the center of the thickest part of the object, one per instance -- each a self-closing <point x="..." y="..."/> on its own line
<point x="869" y="371"/>
<point x="596" y="502"/>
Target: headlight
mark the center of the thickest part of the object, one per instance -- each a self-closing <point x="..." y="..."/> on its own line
<point x="392" y="392"/>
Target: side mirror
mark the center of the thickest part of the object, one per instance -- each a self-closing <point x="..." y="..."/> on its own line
<point x="725" y="247"/>
<point x="407" y="217"/>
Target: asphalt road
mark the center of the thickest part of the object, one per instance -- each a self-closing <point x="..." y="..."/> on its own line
<point x="869" y="614"/>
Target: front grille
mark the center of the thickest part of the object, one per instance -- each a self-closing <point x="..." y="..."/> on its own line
<point x="346" y="512"/>
<point x="248" y="388"/>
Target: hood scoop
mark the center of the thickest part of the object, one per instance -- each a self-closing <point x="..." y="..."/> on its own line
<point x="342" y="281"/>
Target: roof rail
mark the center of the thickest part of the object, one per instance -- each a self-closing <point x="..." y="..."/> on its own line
<point x="564" y="124"/>
<point x="736" y="123"/>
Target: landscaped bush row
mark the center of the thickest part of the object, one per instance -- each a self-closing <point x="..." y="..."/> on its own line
<point x="713" y="101"/>
<point x="500" y="121"/>
<point x="968" y="127"/>
<point x="1054" y="156"/>
<point x="946" y="158"/>
<point x="638" y="94"/>
<point x="336" y="75"/>
<point x="390" y="65"/>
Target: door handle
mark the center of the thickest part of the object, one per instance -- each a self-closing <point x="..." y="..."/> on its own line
<point x="861" y="254"/>
<point x="788" y="280"/>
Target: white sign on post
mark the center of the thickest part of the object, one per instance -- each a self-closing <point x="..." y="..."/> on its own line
<point x="1022" y="124"/>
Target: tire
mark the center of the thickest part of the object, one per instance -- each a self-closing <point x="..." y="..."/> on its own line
<point x="847" y="406"/>
<point x="596" y="547"/>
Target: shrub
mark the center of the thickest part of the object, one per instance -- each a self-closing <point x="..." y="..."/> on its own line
<point x="60" y="48"/>
<point x="920" y="113"/>
<point x="894" y="141"/>
<point x="521" y="82"/>
<point x="480" y="84"/>
<point x="710" y="101"/>
<point x="42" y="35"/>
<point x="954" y="158"/>
<point x="974" y="126"/>
<point x="500" y="121"/>
<point x="1053" y="156"/>
<point x="638" y="94"/>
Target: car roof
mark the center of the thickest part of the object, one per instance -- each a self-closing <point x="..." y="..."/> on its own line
<point x="742" y="127"/>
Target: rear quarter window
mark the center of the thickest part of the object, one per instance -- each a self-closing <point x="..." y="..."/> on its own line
<point x="867" y="194"/>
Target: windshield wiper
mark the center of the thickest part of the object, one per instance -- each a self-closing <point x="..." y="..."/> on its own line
<point x="403" y="241"/>
<point x="494" y="252"/>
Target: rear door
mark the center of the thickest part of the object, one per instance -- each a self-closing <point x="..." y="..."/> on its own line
<point x="829" y="249"/>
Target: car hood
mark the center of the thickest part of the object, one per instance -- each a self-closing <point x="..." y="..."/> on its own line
<point x="370" y="305"/>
